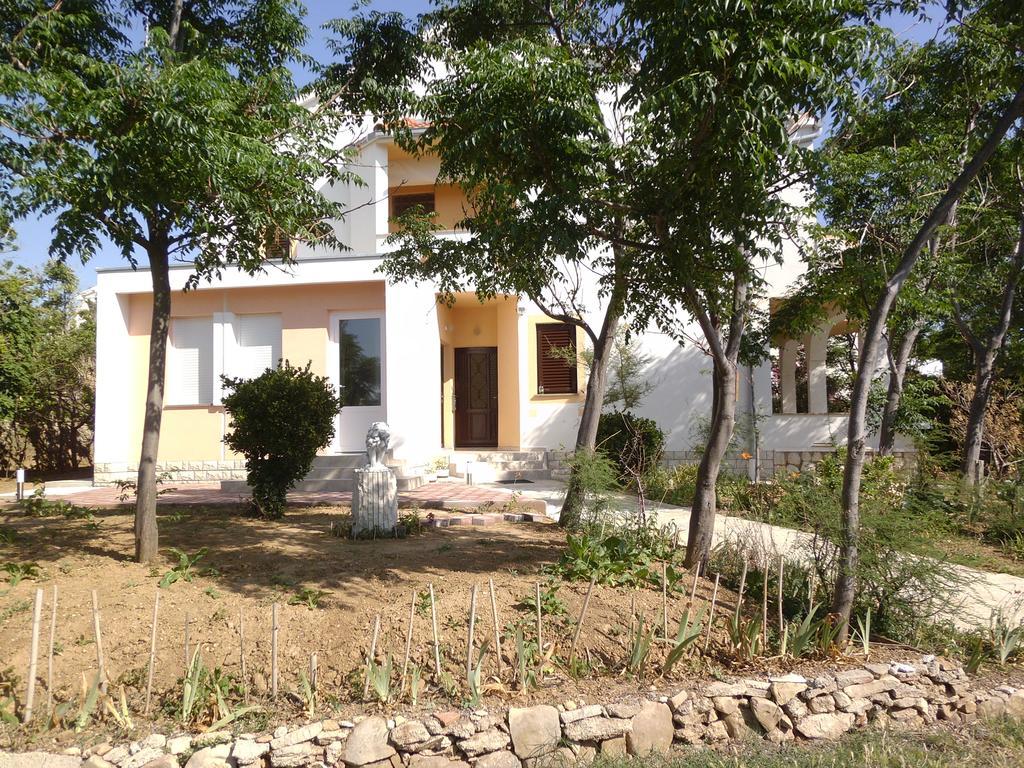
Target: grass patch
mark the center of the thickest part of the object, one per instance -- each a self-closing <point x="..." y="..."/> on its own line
<point x="999" y="744"/>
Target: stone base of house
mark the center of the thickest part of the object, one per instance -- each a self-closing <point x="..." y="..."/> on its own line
<point x="173" y="472"/>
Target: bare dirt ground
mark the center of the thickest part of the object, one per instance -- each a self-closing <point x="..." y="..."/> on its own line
<point x="252" y="564"/>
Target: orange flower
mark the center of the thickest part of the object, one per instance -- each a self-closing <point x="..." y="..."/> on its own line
<point x="746" y="456"/>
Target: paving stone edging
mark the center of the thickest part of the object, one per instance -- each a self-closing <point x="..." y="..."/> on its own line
<point x="779" y="709"/>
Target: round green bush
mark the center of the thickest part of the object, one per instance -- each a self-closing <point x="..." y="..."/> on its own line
<point x="634" y="443"/>
<point x="279" y="421"/>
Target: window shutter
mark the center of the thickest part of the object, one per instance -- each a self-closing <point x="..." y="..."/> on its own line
<point x="279" y="245"/>
<point x="190" y="369"/>
<point x="257" y="344"/>
<point x="555" y="374"/>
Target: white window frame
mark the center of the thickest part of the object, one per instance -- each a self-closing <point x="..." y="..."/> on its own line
<point x="355" y="419"/>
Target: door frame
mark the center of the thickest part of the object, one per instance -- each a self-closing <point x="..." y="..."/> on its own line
<point x="359" y="417"/>
<point x="459" y="444"/>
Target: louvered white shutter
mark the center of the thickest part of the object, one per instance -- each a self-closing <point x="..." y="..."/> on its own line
<point x="190" y="361"/>
<point x="257" y="344"/>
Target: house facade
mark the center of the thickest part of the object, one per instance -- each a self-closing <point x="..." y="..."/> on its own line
<point x="467" y="382"/>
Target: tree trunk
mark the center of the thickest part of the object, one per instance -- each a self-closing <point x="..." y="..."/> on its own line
<point x="985" y="355"/>
<point x="586" y="436"/>
<point x="705" y="499"/>
<point x="846" y="578"/>
<point x="897" y="375"/>
<point x="146" y="536"/>
<point x="984" y="368"/>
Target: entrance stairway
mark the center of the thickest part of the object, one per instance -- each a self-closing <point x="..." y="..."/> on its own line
<point x="336" y="473"/>
<point x="498" y="465"/>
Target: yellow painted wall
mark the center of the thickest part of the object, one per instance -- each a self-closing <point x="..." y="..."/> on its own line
<point x="494" y="324"/>
<point x="531" y="380"/>
<point x="450" y="204"/>
<point x="195" y="432"/>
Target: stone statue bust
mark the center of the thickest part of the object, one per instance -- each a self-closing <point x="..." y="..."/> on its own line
<point x="377" y="439"/>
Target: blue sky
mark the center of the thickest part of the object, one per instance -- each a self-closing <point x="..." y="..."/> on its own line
<point x="34" y="235"/>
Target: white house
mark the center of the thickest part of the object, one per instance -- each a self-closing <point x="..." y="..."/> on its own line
<point x="471" y="381"/>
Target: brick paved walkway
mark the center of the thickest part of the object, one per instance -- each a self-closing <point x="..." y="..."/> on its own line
<point x="453" y="495"/>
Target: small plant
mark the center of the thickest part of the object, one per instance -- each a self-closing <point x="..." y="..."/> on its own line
<point x="745" y="636"/>
<point x="1005" y="641"/>
<point x="688" y="633"/>
<point x="126" y="489"/>
<point x="415" y="683"/>
<point x="185" y="569"/>
<point x="550" y="603"/>
<point x="206" y="696"/>
<point x="474" y="678"/>
<point x="307" y="688"/>
<point x="640" y="647"/>
<point x="863" y="632"/>
<point x="7" y="535"/>
<point x="379" y="677"/>
<point x="18" y="572"/>
<point x="90" y="698"/>
<point x="526" y="667"/>
<point x="9" y="685"/>
<point x="975" y="655"/>
<point x="308" y="597"/>
<point x="411" y="523"/>
<point x="118" y="711"/>
<point x="423" y="603"/>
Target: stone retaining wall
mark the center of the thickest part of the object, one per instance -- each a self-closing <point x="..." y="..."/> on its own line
<point x="173" y="471"/>
<point x="779" y="709"/>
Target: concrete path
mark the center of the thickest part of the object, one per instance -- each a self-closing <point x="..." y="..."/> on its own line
<point x="981" y="594"/>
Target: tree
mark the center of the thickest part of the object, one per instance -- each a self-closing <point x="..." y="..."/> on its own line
<point x="20" y="332"/>
<point x="190" y="145"/>
<point x="721" y="91"/>
<point x="997" y="116"/>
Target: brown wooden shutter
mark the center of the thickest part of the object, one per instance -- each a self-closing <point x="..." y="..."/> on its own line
<point x="555" y="374"/>
<point x="279" y="245"/>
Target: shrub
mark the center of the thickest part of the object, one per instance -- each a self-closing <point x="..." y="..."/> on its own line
<point x="634" y="443"/>
<point x="279" y="421"/>
<point x="672" y="486"/>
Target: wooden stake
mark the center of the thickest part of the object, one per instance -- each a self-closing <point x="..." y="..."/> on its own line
<point x="811" y="589"/>
<point x="469" y="638"/>
<point x="782" y="622"/>
<point x="437" y="642"/>
<point x="372" y="655"/>
<point x="98" y="637"/>
<point x="313" y="671"/>
<point x="693" y="589"/>
<point x="37" y="615"/>
<point x="273" y="650"/>
<point x="152" y="652"/>
<point x="540" y="630"/>
<point x="711" y="614"/>
<point x="408" y="642"/>
<point x="49" y="655"/>
<point x="241" y="653"/>
<point x="497" y="626"/>
<point x="764" y="608"/>
<point x="664" y="599"/>
<point x="743" y="584"/>
<point x="583" y="615"/>
<point x="632" y="613"/>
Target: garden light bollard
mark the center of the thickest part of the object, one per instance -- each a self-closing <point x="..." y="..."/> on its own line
<point x="19" y="480"/>
<point x="469" y="472"/>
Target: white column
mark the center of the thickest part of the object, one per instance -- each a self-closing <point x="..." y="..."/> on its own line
<point x="369" y="203"/>
<point x="787" y="374"/>
<point x="816" y="346"/>
<point x="113" y="350"/>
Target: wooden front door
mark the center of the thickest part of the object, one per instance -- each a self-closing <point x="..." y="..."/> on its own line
<point x="476" y="397"/>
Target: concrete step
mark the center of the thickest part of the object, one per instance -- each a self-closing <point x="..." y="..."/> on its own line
<point x="498" y="456"/>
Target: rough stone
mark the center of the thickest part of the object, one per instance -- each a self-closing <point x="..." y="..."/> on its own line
<point x="628" y="708"/>
<point x="743" y="725"/>
<point x="571" y="716"/>
<point x="487" y="741"/>
<point x="157" y="740"/>
<point x="408" y="735"/>
<point x="651" y="731"/>
<point x="991" y="708"/>
<point x="435" y="761"/>
<point x="501" y="759"/>
<point x="38" y="760"/>
<point x="768" y="713"/>
<point x="326" y="737"/>
<point x="368" y="742"/>
<point x="295" y="755"/>
<point x="726" y="705"/>
<point x="1015" y="705"/>
<point x="117" y="754"/>
<point x="725" y="689"/>
<point x="822" y="704"/>
<point x="163" y="761"/>
<point x="143" y="756"/>
<point x="178" y="744"/>
<point x="614" y="747"/>
<point x="462" y="728"/>
<point x="535" y="731"/>
<point x="862" y="690"/>
<point x="210" y="757"/>
<point x="94" y="761"/>
<point x="784" y="691"/>
<point x="597" y="729"/>
<point x="246" y="751"/>
<point x="830" y="725"/>
<point x="334" y="752"/>
<point x="717" y="731"/>
<point x="299" y="735"/>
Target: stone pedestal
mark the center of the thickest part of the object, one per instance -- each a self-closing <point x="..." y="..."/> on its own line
<point x="374" y="502"/>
